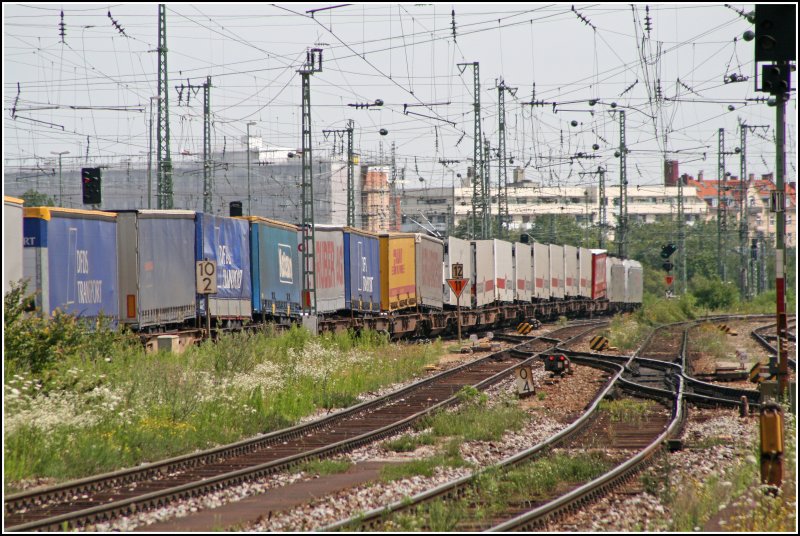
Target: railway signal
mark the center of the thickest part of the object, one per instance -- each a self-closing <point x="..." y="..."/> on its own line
<point x="90" y="182"/>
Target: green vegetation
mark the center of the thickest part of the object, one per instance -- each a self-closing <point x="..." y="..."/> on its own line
<point x="34" y="198"/>
<point x="709" y="340"/>
<point x="409" y="443"/>
<point x="324" y="467"/>
<point x="626" y="333"/>
<point x="81" y="400"/>
<point x="627" y="410"/>
<point x="736" y="492"/>
<point x="495" y="490"/>
<point x="423" y="467"/>
<point x="475" y="420"/>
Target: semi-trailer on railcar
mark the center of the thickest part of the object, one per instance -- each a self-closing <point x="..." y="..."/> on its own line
<point x="138" y="266"/>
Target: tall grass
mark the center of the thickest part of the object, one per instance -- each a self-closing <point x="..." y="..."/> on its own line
<point x="80" y="415"/>
<point x="709" y="340"/>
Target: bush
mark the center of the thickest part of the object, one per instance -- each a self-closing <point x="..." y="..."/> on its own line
<point x="713" y="293"/>
<point x="35" y="343"/>
<point x="656" y="311"/>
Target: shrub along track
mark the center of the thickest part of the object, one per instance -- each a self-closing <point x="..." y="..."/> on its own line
<point x="104" y="497"/>
<point x="661" y="356"/>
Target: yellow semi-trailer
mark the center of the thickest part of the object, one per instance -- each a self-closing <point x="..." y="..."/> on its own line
<point x="398" y="271"/>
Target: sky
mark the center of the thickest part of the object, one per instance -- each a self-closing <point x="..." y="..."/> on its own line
<point x="668" y="66"/>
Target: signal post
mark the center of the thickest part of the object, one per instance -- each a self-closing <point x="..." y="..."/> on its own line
<point x="457" y="284"/>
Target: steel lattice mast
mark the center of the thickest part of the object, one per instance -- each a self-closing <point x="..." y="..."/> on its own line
<point x="164" y="162"/>
<point x="622" y="224"/>
<point x="480" y="201"/>
<point x="207" y="164"/>
<point x="503" y="219"/>
<point x="313" y="65"/>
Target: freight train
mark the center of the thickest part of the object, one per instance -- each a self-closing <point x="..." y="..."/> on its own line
<point x="138" y="268"/>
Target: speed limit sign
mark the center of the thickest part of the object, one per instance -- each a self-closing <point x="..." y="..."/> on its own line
<point x="206" y="277"/>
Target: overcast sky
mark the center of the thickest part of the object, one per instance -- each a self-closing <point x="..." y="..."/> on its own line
<point x="96" y="83"/>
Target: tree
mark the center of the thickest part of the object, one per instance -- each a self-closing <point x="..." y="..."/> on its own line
<point x="34" y="198"/>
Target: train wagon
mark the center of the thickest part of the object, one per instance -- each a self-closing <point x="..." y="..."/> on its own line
<point x="541" y="271"/>
<point x="398" y="271"/>
<point x="70" y="256"/>
<point x="12" y="241"/>
<point x="429" y="255"/>
<point x="156" y="267"/>
<point x="362" y="266"/>
<point x="483" y="272"/>
<point x="598" y="279"/>
<point x="275" y="264"/>
<point x="523" y="272"/>
<point x="634" y="281"/>
<point x="503" y="271"/>
<point x="457" y="251"/>
<point x="329" y="268"/>
<point x="585" y="273"/>
<point x="226" y="241"/>
<point x="615" y="278"/>
<point x="556" y="271"/>
<point x="571" y="272"/>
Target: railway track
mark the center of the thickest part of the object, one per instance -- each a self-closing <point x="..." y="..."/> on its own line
<point x="765" y="336"/>
<point x="653" y="372"/>
<point x="573" y="435"/>
<point x="104" y="497"/>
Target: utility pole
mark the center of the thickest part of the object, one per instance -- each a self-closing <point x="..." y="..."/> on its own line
<point x="351" y="204"/>
<point x="164" y="162"/>
<point x="393" y="193"/>
<point x="682" y="232"/>
<point x="503" y="219"/>
<point x="60" y="186"/>
<point x="743" y="284"/>
<point x="487" y="158"/>
<point x="249" y="205"/>
<point x="779" y="206"/>
<point x="207" y="163"/>
<point x="622" y="226"/>
<point x="721" y="214"/>
<point x="480" y="200"/>
<point x="601" y="194"/>
<point x="207" y="177"/>
<point x="313" y="65"/>
<point x="150" y="156"/>
<point x="723" y="199"/>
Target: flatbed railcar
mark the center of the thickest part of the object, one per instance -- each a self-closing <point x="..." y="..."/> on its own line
<point x="392" y="282"/>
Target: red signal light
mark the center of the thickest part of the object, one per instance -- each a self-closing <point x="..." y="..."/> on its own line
<point x="552" y="358"/>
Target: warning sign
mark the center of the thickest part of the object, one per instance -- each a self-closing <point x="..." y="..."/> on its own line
<point x="457" y="285"/>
